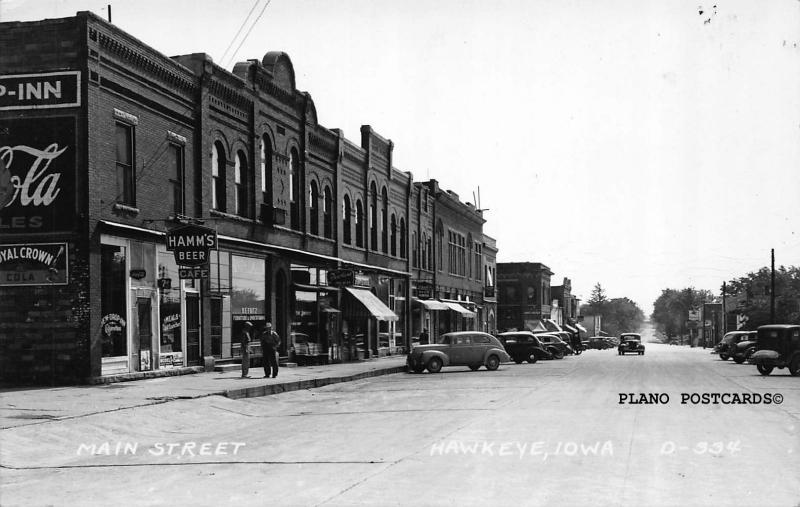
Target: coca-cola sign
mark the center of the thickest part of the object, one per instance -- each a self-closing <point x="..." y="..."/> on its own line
<point x="37" y="175"/>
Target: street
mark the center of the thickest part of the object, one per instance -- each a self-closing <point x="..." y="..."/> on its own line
<point x="551" y="433"/>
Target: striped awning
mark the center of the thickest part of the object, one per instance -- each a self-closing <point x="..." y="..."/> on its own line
<point x="459" y="309"/>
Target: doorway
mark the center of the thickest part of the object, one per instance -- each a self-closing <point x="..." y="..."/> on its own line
<point x="192" y="329"/>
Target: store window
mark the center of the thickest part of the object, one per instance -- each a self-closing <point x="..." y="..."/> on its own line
<point x="248" y="295"/>
<point x="171" y="319"/>
<point x="113" y="300"/>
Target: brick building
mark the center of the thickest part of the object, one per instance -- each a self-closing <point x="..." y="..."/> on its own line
<point x="108" y="146"/>
<point x="524" y="297"/>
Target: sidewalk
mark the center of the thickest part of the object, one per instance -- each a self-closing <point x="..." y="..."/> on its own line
<point x="25" y="406"/>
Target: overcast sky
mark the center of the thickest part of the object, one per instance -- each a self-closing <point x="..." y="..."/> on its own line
<point x="639" y="144"/>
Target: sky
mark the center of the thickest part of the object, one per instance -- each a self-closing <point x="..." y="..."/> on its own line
<point x="639" y="144"/>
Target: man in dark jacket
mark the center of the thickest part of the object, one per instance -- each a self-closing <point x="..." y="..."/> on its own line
<point x="244" y="341"/>
<point x="270" y="343"/>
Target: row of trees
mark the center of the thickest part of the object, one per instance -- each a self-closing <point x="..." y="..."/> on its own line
<point x="620" y="315"/>
<point x="749" y="297"/>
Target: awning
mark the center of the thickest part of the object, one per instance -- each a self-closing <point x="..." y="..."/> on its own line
<point x="569" y="328"/>
<point x="551" y="325"/>
<point x="459" y="309"/>
<point x="535" y="326"/>
<point x="329" y="309"/>
<point x="431" y="304"/>
<point x="307" y="297"/>
<point x="581" y="329"/>
<point x="314" y="288"/>
<point x="372" y="304"/>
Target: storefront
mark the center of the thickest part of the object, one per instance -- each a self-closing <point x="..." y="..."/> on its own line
<point x="367" y="325"/>
<point x="425" y="316"/>
<point x="315" y="318"/>
<point x="237" y="295"/>
<point x="458" y="318"/>
<point x="150" y="319"/>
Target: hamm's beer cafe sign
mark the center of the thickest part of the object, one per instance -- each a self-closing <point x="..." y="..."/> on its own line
<point x="37" y="175"/>
<point x="191" y="245"/>
<point x="33" y="264"/>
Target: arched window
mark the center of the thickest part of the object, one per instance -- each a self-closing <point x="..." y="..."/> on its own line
<point x="294" y="189"/>
<point x="266" y="165"/>
<point x="403" y="253"/>
<point x="313" y="209"/>
<point x="241" y="178"/>
<point x="430" y="253"/>
<point x="218" y="177"/>
<point x="384" y="220"/>
<point x="327" y="213"/>
<point x="424" y="252"/>
<point x="440" y="245"/>
<point x="373" y="216"/>
<point x="414" y="256"/>
<point x="359" y="223"/>
<point x="469" y="256"/>
<point x="347" y="212"/>
<point x="393" y="238"/>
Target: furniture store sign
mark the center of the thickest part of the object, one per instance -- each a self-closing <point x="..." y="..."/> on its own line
<point x="33" y="264"/>
<point x="40" y="91"/>
<point x="37" y="175"/>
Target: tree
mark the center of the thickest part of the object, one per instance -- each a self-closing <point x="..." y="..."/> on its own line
<point x="671" y="309"/>
<point x="755" y="298"/>
<point x="619" y="314"/>
<point x="622" y="315"/>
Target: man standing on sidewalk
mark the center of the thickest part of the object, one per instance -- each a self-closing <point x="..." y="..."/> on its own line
<point x="244" y="341"/>
<point x="270" y="342"/>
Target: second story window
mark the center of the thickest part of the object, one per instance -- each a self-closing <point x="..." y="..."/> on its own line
<point x="359" y="223"/>
<point x="393" y="236"/>
<point x="347" y="213"/>
<point x="327" y="213"/>
<point x="126" y="169"/>
<point x="294" y="190"/>
<point x="403" y="247"/>
<point x="177" y="168"/>
<point x="384" y="221"/>
<point x="218" y="177"/>
<point x="241" y="179"/>
<point x="313" y="209"/>
<point x="266" y="165"/>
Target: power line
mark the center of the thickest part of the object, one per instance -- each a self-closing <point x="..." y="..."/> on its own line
<point x="233" y="40"/>
<point x="233" y="55"/>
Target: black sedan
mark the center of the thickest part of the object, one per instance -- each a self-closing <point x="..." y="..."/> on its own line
<point x="524" y="346"/>
<point x="630" y="343"/>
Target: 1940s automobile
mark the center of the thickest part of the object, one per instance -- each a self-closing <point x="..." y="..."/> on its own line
<point x="462" y="348"/>
<point x="778" y="345"/>
<point x="630" y="342"/>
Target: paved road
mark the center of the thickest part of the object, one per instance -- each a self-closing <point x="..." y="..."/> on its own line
<point x="553" y="433"/>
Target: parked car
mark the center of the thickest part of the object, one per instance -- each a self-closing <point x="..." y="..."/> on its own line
<point x="778" y="345"/>
<point x="630" y="343"/>
<point x="599" y="343"/>
<point x="742" y="346"/>
<point x="553" y="344"/>
<point x="463" y="348"/>
<point x="566" y="337"/>
<point x="524" y="346"/>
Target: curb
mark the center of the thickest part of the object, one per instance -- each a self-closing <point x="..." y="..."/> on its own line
<point x="270" y="389"/>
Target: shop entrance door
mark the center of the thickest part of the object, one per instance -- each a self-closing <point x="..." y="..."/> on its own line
<point x="192" y="329"/>
<point x="145" y="335"/>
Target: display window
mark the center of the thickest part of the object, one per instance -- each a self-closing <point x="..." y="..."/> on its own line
<point x="171" y="315"/>
<point x="113" y="323"/>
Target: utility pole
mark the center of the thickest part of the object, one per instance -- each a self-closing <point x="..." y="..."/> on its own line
<point x="724" y="311"/>
<point x="772" y="291"/>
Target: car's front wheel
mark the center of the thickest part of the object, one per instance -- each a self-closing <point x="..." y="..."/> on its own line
<point x="434" y="365"/>
<point x="764" y="369"/>
<point x="794" y="366"/>
<point x="492" y="363"/>
<point x="532" y="358"/>
<point x="724" y="357"/>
